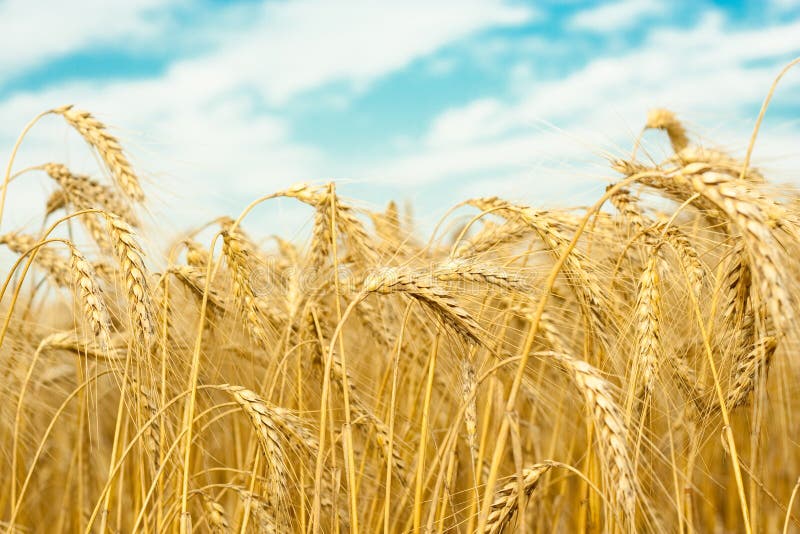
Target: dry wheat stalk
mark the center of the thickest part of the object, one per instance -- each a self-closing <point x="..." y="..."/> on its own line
<point x="90" y="295"/>
<point x="506" y="499"/>
<point x="610" y="426"/>
<point x="718" y="160"/>
<point x="686" y="253"/>
<point x="648" y="311"/>
<point x="748" y="370"/>
<point x="351" y="228"/>
<point x="493" y="236"/>
<point x="269" y="431"/>
<point x="69" y="340"/>
<point x="56" y="201"/>
<point x="215" y="516"/>
<point x="147" y="401"/>
<point x="654" y="234"/>
<point x="461" y="270"/>
<point x="46" y="259"/>
<point x="131" y="260"/>
<point x="86" y="193"/>
<point x="660" y="180"/>
<point x="360" y="244"/>
<point x="295" y="427"/>
<point x="387" y="225"/>
<point x="628" y="208"/>
<point x="688" y="381"/>
<point x="277" y="427"/>
<point x="95" y="133"/>
<point x="321" y="238"/>
<point x="745" y="211"/>
<point x="468" y="386"/>
<point x="275" y="424"/>
<point x="663" y="119"/>
<point x="262" y="512"/>
<point x="737" y="318"/>
<point x="238" y="253"/>
<point x="629" y="167"/>
<point x="441" y="303"/>
<point x="582" y="279"/>
<point x="550" y="331"/>
<point x="194" y="279"/>
<point x="196" y="255"/>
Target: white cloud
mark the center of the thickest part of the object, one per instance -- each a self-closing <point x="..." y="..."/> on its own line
<point x="706" y="74"/>
<point x="460" y="124"/>
<point x="199" y="133"/>
<point x="297" y="46"/>
<point x="615" y="16"/>
<point x="784" y="5"/>
<point x="206" y="144"/>
<point x="33" y="32"/>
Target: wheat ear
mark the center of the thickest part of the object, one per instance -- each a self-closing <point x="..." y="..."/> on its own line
<point x="46" y="259"/>
<point x="413" y="284"/>
<point x="215" y="516"/>
<point x="131" y="260"/>
<point x="91" y="297"/>
<point x="506" y="499"/>
<point x="664" y="119"/>
<point x="610" y="426"/>
<point x="746" y="212"/>
<point x="748" y="370"/>
<point x="238" y="254"/>
<point x="648" y="335"/>
<point x="460" y="270"/>
<point x="95" y="133"/>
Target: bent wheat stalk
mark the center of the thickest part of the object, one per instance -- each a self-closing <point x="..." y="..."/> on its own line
<point x="95" y="133"/>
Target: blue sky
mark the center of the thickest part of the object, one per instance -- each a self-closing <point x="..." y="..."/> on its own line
<point x="431" y="102"/>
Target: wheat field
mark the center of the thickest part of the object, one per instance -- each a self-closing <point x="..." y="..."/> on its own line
<point x="623" y="367"/>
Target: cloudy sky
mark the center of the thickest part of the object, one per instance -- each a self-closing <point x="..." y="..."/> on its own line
<point x="219" y="102"/>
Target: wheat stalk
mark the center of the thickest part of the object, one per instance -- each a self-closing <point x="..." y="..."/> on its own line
<point x="238" y="253"/>
<point x="277" y="428"/>
<point x="262" y="510"/>
<point x="56" y="201"/>
<point x="131" y="260"/>
<point x="441" y="303"/>
<point x="460" y="270"/>
<point x="493" y="236"/>
<point x="583" y="280"/>
<point x="194" y="279"/>
<point x="664" y="119"/>
<point x="744" y="210"/>
<point x="215" y="516"/>
<point x="506" y="499"/>
<point x="95" y="133"/>
<point x="648" y="311"/>
<point x="91" y="296"/>
<point x="87" y="193"/>
<point x="269" y="430"/>
<point x="748" y="370"/>
<point x="610" y="426"/>
<point x="46" y="259"/>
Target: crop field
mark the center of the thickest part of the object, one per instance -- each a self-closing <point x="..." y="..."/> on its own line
<point x="627" y="366"/>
